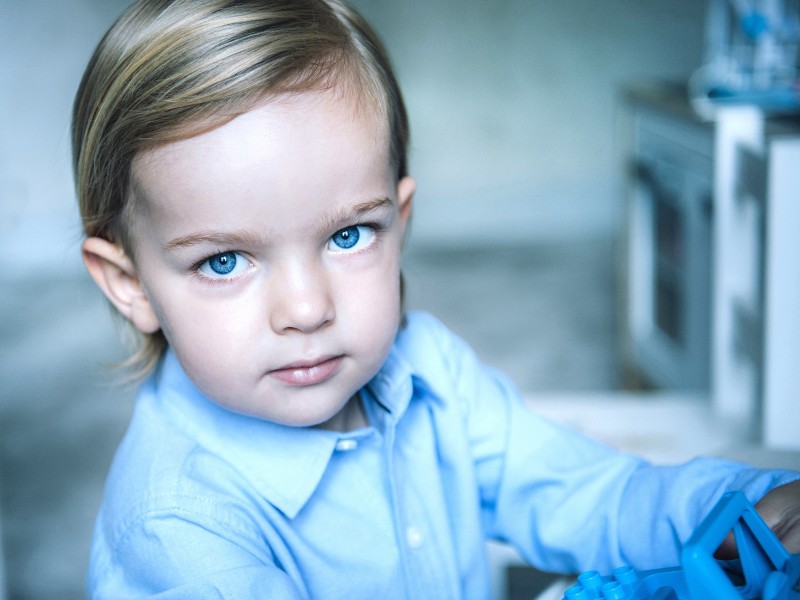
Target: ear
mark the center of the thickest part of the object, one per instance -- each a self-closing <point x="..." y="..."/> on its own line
<point x="115" y="275"/>
<point x="405" y="195"/>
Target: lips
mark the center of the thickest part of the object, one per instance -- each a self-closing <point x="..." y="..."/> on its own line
<point x="307" y="372"/>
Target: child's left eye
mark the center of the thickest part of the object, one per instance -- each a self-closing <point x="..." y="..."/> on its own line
<point x="351" y="239"/>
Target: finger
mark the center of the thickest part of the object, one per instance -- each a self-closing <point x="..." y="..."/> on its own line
<point x="727" y="549"/>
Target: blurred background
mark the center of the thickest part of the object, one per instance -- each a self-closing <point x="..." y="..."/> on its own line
<point x="597" y="228"/>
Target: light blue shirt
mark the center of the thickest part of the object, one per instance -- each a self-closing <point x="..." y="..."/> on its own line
<point x="205" y="503"/>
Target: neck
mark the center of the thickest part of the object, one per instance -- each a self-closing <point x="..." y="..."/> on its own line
<point x="350" y="418"/>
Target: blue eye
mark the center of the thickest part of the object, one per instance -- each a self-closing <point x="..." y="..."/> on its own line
<point x="346" y="238"/>
<point x="351" y="238"/>
<point x="224" y="265"/>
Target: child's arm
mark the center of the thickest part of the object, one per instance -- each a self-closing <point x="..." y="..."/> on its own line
<point x="569" y="503"/>
<point x="576" y="505"/>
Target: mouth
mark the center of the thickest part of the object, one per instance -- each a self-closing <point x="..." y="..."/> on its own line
<point x="304" y="373"/>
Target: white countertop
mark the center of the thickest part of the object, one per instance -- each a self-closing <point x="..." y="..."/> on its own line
<point x="665" y="427"/>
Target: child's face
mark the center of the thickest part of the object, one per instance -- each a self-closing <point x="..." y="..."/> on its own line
<point x="269" y="253"/>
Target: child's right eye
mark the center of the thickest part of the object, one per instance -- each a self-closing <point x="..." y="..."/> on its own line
<point x="225" y="265"/>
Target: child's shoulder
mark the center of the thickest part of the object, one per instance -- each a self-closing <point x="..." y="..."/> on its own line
<point x="421" y="330"/>
<point x="165" y="491"/>
<point x="459" y="382"/>
<point x="425" y="340"/>
<point x="436" y="353"/>
<point x="160" y="472"/>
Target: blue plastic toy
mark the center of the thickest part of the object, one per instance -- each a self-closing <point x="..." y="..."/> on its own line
<point x="764" y="570"/>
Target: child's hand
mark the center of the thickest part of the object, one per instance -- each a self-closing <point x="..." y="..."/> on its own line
<point x="780" y="509"/>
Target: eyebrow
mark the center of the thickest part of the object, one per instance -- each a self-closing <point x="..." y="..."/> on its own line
<point x="346" y="216"/>
<point x="246" y="238"/>
<point x="234" y="238"/>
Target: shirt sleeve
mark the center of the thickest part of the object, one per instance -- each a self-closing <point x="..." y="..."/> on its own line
<point x="569" y="503"/>
<point x="179" y="553"/>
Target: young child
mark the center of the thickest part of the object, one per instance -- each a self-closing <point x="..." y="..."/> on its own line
<point x="241" y="170"/>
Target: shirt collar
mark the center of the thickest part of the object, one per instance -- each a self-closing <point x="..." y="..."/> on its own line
<point x="271" y="455"/>
<point x="390" y="390"/>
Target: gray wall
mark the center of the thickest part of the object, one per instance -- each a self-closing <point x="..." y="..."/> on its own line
<point x="512" y="105"/>
<point x="44" y="47"/>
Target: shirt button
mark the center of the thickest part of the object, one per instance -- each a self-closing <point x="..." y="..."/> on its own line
<point x="414" y="538"/>
<point x="346" y="445"/>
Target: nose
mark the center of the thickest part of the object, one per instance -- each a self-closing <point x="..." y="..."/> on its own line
<point x="301" y="299"/>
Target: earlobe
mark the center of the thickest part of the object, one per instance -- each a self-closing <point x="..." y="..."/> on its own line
<point x="116" y="276"/>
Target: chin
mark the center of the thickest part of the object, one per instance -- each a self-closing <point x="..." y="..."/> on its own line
<point x="300" y="420"/>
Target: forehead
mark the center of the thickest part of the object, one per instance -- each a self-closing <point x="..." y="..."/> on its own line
<point x="285" y="148"/>
<point x="336" y="112"/>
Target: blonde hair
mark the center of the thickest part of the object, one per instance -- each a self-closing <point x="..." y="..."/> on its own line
<point x="169" y="69"/>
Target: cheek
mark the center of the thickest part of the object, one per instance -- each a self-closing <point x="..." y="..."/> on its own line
<point x="215" y="352"/>
<point x="379" y="299"/>
<point x="203" y="331"/>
